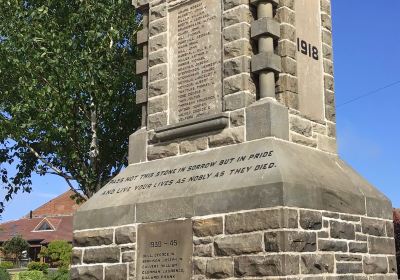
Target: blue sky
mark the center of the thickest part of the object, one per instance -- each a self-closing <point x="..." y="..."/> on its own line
<point x="367" y="57"/>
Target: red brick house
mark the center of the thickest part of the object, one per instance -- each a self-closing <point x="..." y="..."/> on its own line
<point x="51" y="221"/>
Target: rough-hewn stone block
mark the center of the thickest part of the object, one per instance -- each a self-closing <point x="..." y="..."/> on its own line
<point x="332" y="245"/>
<point x="101" y="255"/>
<point x="378" y="245"/>
<point x="317" y="264"/>
<point x="208" y="227"/>
<point x="238" y="244"/>
<point x="373" y="227"/>
<point x="341" y="230"/>
<point x="349" y="268"/>
<point x="93" y="272"/>
<point x="162" y="151"/>
<point x="260" y="220"/>
<point x="290" y="241"/>
<point x="125" y="235"/>
<point x="272" y="265"/>
<point x="93" y="238"/>
<point x="375" y="265"/>
<point x="116" y="272"/>
<point x="219" y="268"/>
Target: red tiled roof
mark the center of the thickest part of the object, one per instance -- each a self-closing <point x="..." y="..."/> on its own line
<point x="26" y="228"/>
<point x="60" y="206"/>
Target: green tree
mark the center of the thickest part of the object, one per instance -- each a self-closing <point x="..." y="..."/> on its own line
<point x="14" y="247"/>
<point x="59" y="252"/>
<point x="67" y="91"/>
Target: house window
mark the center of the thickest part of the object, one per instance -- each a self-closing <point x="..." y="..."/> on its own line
<point x="44" y="226"/>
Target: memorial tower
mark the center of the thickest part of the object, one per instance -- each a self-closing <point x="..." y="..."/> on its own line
<point x="234" y="172"/>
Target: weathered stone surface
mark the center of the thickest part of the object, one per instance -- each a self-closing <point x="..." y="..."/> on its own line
<point x="389" y="229"/>
<point x="115" y="272"/>
<point x="136" y="140"/>
<point x="375" y="265"/>
<point x="158" y="88"/>
<point x="157" y="12"/>
<point x="199" y="266"/>
<point x="203" y="250"/>
<point x="349" y="268"/>
<point x="158" y="57"/>
<point x="93" y="238"/>
<point x="238" y="15"/>
<point x="162" y="151"/>
<point x="238" y="100"/>
<point x="158" y="42"/>
<point x="101" y="255"/>
<point x="128" y="256"/>
<point x="317" y="264"/>
<point x="310" y="220"/>
<point x="157" y="104"/>
<point x="302" y="140"/>
<point x="358" y="247"/>
<point x="290" y="241"/>
<point x="219" y="268"/>
<point x="76" y="257"/>
<point x="261" y="220"/>
<point x="125" y="235"/>
<point x="157" y="120"/>
<point x="332" y="245"/>
<point x="236" y="32"/>
<point x="238" y="48"/>
<point x="301" y="126"/>
<point x="392" y="264"/>
<point x="158" y="72"/>
<point x="378" y="245"/>
<point x="202" y="240"/>
<point x="157" y="27"/>
<point x="373" y="227"/>
<point x="341" y="230"/>
<point x="327" y="144"/>
<point x="238" y="245"/>
<point x="208" y="227"/>
<point x="193" y="145"/>
<point x="227" y="137"/>
<point x="267" y="119"/>
<point x="236" y="66"/>
<point x="272" y="265"/>
<point x="93" y="272"/>
<point x="237" y="118"/>
<point x="241" y="82"/>
<point x="348" y="258"/>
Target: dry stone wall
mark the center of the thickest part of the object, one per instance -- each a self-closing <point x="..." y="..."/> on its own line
<point x="277" y="243"/>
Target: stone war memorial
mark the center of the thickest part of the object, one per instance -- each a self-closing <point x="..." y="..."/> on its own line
<point x="234" y="172"/>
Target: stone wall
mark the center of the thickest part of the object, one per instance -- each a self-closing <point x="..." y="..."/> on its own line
<point x="288" y="243"/>
<point x="240" y="85"/>
<point x="320" y="134"/>
<point x="396" y="218"/>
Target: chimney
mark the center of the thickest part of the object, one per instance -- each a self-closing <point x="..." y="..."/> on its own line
<point x="30" y="214"/>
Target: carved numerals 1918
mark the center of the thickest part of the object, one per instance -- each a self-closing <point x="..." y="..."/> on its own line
<point x="307" y="49"/>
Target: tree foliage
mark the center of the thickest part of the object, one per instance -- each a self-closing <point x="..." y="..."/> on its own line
<point x="59" y="252"/>
<point x="67" y="91"/>
<point x="15" y="246"/>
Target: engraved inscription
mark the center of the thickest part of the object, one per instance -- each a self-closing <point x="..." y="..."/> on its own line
<point x="195" y="55"/>
<point x="309" y="60"/>
<point x="209" y="172"/>
<point x="164" y="250"/>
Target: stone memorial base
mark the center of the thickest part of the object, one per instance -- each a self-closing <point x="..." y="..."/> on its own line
<point x="264" y="209"/>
